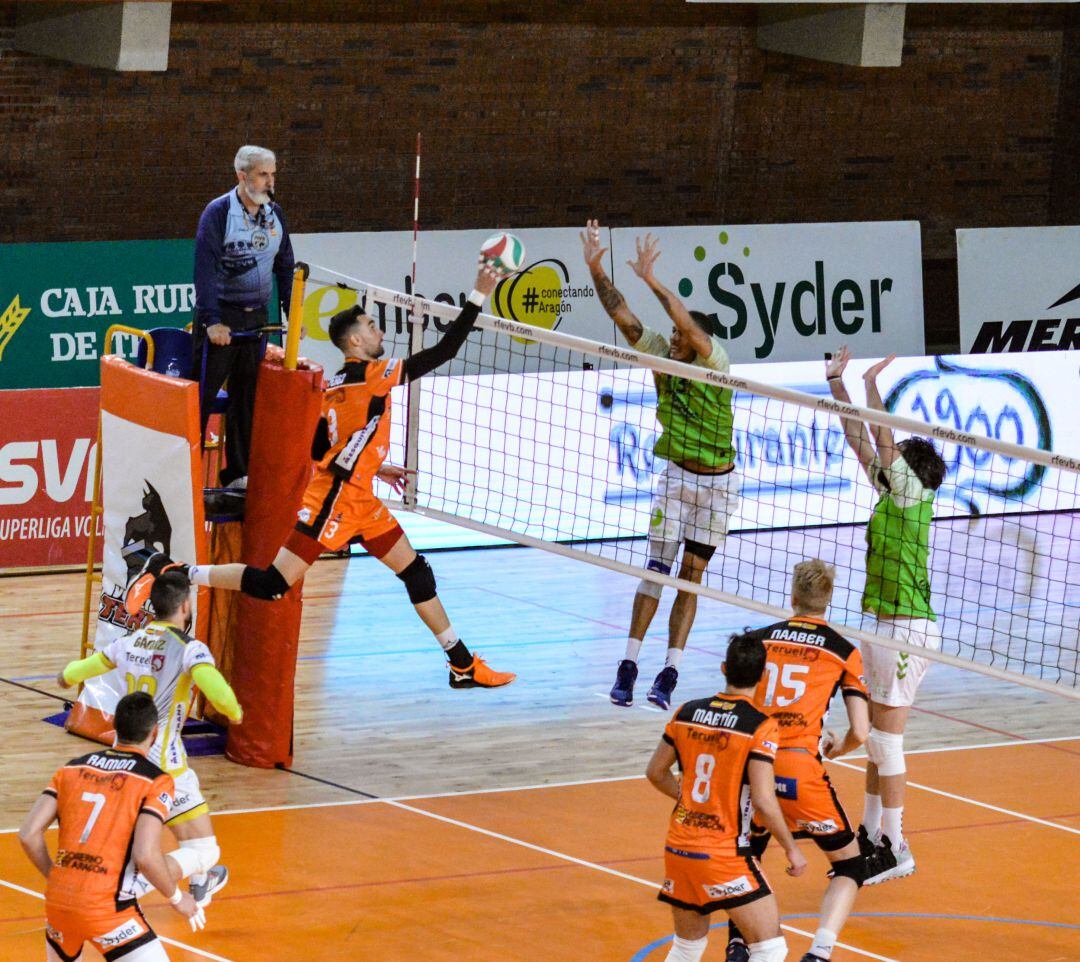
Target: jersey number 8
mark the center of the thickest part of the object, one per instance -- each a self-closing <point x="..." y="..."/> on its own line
<point x="703" y="769"/>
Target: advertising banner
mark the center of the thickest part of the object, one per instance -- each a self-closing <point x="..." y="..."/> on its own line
<point x="788" y="292"/>
<point x="1019" y="289"/>
<point x="48" y="449"/>
<point x="58" y="300"/>
<point x="553" y="291"/>
<point x="576" y="448"/>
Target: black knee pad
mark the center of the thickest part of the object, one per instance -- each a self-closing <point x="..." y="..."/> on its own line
<point x="699" y="550"/>
<point x="419" y="580"/>
<point x="266" y="584"/>
<point x="853" y="868"/>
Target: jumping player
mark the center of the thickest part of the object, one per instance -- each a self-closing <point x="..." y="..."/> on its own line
<point x="807" y="662"/>
<point x="698" y="491"/>
<point x="725" y="748"/>
<point x="110" y="805"/>
<point x="164" y="661"/>
<point x="906" y="475"/>
<point x="339" y="506"/>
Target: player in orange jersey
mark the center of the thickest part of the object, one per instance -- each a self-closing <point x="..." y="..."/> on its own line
<point x="807" y="662"/>
<point x="111" y="806"/>
<point x="725" y="748"/>
<point x="339" y="505"/>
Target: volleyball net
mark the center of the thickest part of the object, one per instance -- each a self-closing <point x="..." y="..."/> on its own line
<point x="551" y="441"/>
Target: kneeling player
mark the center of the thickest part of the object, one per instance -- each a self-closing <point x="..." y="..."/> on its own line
<point x="807" y="662"/>
<point x="110" y="805"/>
<point x="339" y="506"/>
<point x="165" y="661"/>
<point x="725" y="748"/>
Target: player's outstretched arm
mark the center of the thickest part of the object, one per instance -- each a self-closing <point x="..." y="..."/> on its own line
<point x="883" y="437"/>
<point x="858" y="712"/>
<point x="767" y="812"/>
<point x="858" y="438"/>
<point x="648" y="251"/>
<point x="76" y="672"/>
<point x="32" y="833"/>
<point x="614" y="303"/>
<point x="424" y="362"/>
<point x="146" y="850"/>
<point x="212" y="683"/>
<point x="659" y="773"/>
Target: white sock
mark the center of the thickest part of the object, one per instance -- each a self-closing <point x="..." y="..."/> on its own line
<point x="674" y="656"/>
<point x="771" y="950"/>
<point x="824" y="943"/>
<point x="687" y="950"/>
<point x="633" y="649"/>
<point x="447" y="639"/>
<point x="199" y="574"/>
<point x="871" y="818"/>
<point x="892" y="825"/>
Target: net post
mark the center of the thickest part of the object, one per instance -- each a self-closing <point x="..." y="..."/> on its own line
<point x="412" y="418"/>
<point x="296" y="313"/>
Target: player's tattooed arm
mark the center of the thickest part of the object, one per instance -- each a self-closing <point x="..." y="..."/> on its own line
<point x="613" y="301"/>
<point x="648" y="252"/>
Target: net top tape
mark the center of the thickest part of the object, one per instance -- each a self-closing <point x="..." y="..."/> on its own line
<point x="418" y="305"/>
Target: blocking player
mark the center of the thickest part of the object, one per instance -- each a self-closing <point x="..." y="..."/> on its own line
<point x="698" y="491"/>
<point x="339" y="506"/>
<point x="906" y="475"/>
<point x="166" y="662"/>
<point x="806" y="663"/>
<point x="724" y="747"/>
<point x="110" y="805"/>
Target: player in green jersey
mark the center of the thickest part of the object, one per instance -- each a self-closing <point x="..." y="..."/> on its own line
<point x="698" y="491"/>
<point x="906" y="475"/>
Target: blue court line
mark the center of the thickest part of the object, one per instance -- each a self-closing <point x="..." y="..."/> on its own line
<point x="643" y="953"/>
<point x="33" y="677"/>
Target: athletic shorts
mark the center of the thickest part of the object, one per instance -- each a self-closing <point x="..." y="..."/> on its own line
<point x="124" y="934"/>
<point x="693" y="507"/>
<point x="188" y="801"/>
<point x="335" y="512"/>
<point x="808" y="801"/>
<point x="704" y="882"/>
<point x="893" y="677"/>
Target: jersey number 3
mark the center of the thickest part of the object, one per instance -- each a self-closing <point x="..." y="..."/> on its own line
<point x="789" y="681"/>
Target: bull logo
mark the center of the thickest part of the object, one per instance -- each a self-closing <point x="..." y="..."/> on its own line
<point x="150" y="531"/>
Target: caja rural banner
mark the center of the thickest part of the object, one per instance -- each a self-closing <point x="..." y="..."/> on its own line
<point x="48" y="449"/>
<point x="152" y="498"/>
<point x="1019" y="289"/>
<point x="788" y="292"/>
<point x="58" y="300"/>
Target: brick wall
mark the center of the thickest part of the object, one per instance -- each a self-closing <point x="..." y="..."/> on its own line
<point x="647" y="112"/>
<point x="1065" y="195"/>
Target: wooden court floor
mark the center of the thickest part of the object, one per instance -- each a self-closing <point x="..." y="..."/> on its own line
<point x="515" y="825"/>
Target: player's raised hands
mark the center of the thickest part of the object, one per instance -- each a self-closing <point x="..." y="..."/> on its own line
<point x="648" y="250"/>
<point x="487" y="279"/>
<point x="590" y="245"/>
<point x="871" y="373"/>
<point x="835" y="364"/>
<point x="396" y="477"/>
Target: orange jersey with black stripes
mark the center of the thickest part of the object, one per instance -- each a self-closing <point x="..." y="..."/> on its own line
<point x="714" y="739"/>
<point x="99" y="797"/>
<point x="807" y="663"/>
<point x="356" y="408"/>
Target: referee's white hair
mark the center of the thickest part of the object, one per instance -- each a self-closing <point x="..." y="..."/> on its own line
<point x="249" y="156"/>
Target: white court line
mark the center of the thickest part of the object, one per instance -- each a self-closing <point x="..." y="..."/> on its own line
<point x="348" y="802"/>
<point x="968" y="748"/>
<point x="972" y="801"/>
<point x="179" y="945"/>
<point x="594" y="866"/>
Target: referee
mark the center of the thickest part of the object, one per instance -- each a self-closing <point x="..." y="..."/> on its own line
<point x="242" y="244"/>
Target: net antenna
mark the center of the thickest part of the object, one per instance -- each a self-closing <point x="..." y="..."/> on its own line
<point x="416" y="343"/>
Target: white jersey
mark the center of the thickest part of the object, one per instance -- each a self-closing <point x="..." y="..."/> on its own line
<point x="158" y="659"/>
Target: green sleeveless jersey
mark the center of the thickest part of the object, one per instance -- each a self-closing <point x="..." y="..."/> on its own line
<point x="696" y="417"/>
<point x="898" y="546"/>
